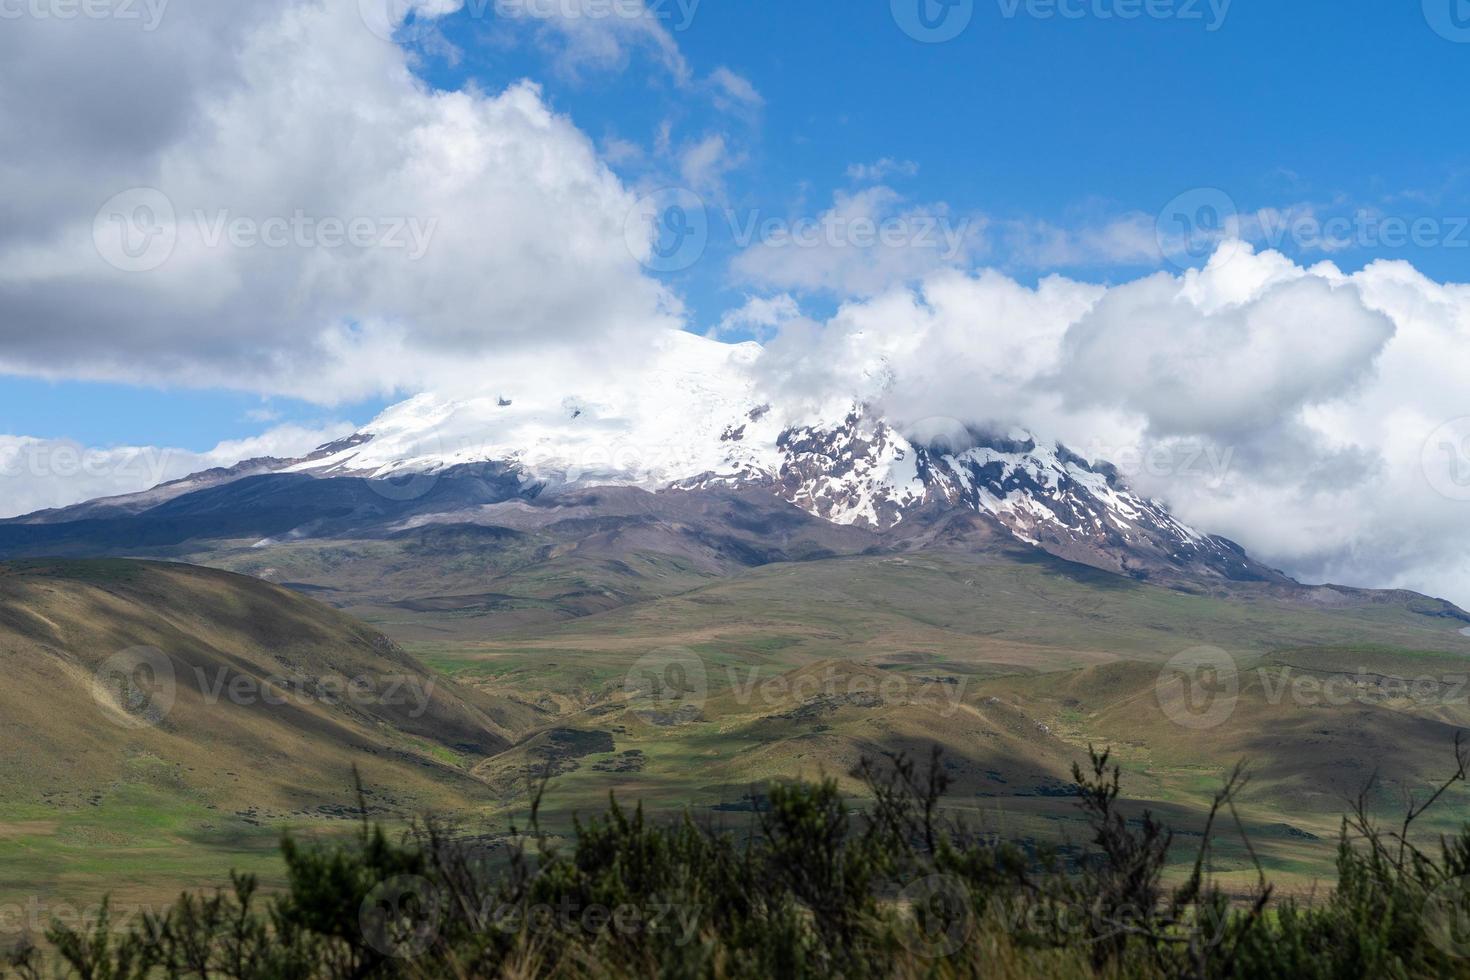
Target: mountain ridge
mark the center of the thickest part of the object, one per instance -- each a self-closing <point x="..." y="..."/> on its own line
<point x="701" y="421"/>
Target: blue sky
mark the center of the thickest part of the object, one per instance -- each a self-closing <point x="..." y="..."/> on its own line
<point x="1057" y="119"/>
<point x="1070" y="121"/>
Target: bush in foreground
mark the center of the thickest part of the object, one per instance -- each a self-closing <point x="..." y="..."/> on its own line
<point x="811" y="889"/>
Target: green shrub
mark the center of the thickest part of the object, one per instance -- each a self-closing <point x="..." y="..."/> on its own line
<point x="814" y="888"/>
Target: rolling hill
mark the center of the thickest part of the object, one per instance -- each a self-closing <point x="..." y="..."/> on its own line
<point x="697" y="697"/>
<point x="158" y="717"/>
<point x="1013" y="668"/>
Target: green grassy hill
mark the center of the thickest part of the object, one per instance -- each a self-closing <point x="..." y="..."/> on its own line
<point x="759" y="676"/>
<point x="162" y="719"/>
<point x="1013" y="668"/>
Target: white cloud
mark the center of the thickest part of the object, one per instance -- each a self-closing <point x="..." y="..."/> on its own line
<point x="882" y="170"/>
<point x="734" y="93"/>
<point x="39" y="474"/>
<point x="1300" y="411"/>
<point x="1226" y="369"/>
<point x="618" y="151"/>
<point x="761" y="316"/>
<point x="1127" y="240"/>
<point x="703" y="165"/>
<point x="924" y="238"/>
<point x="597" y="35"/>
<point x="296" y="118"/>
<point x="865" y="243"/>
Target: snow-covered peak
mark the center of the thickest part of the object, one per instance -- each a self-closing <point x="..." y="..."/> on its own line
<point x="695" y="416"/>
<point x="692" y="409"/>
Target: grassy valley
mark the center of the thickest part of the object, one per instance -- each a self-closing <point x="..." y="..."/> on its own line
<point x="1014" y="668"/>
<point x="680" y="688"/>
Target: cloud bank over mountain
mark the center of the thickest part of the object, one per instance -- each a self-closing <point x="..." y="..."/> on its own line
<point x="1316" y="417"/>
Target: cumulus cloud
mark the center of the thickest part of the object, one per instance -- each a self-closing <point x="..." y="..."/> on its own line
<point x="1319" y="418"/>
<point x="866" y="242"/>
<point x="39" y="474"/>
<point x="1225" y="370"/>
<point x="313" y="221"/>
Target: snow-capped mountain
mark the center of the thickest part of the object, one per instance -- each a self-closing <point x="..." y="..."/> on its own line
<point x="676" y="417"/>
<point x="697" y="418"/>
<point x="694" y="422"/>
<point x="864" y="472"/>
